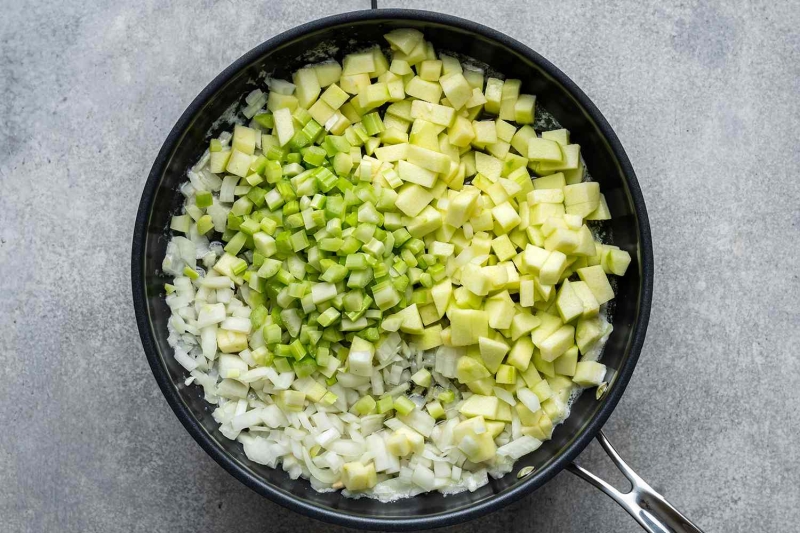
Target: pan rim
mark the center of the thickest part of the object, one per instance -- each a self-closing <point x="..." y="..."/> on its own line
<point x="170" y="391"/>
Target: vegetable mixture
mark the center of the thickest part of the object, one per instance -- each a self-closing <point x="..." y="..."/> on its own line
<point x="387" y="280"/>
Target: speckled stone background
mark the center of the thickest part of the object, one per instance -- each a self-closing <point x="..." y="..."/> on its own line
<point x="704" y="96"/>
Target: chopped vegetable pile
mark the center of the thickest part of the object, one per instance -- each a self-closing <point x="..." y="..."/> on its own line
<point x="388" y="281"/>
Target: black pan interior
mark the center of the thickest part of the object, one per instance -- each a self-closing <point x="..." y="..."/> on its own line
<point x="281" y="56"/>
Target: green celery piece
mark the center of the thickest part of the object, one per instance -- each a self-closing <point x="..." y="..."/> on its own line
<point x="236" y="244"/>
<point x="273" y="171"/>
<point x="203" y="199"/>
<point x="242" y="206"/>
<point x="301" y="115"/>
<point x="204" y="224"/>
<point x="265" y="120"/>
<point x="258" y="165"/>
<point x="305" y="367"/>
<point x="401" y="236"/>
<point x="249" y="226"/>
<point x="256" y="195"/>
<point x="313" y="155"/>
<point x="282" y="364"/>
<point x="297" y="349"/>
<point x="385" y="404"/>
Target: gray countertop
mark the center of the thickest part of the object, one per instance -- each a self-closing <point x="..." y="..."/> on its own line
<point x="703" y="95"/>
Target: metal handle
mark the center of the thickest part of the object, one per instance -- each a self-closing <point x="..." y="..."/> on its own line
<point x="653" y="512"/>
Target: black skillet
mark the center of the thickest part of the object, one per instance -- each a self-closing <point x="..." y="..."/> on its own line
<point x="605" y="158"/>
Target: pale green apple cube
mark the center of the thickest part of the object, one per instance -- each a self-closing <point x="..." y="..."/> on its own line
<point x="392" y="153"/>
<point x="602" y="212"/>
<point x="485" y="132"/>
<point x="307" y="86"/>
<point x="239" y="163"/>
<point x="479" y="405"/>
<point x="424" y="90"/>
<point x="435" y="113"/>
<point x="456" y="88"/>
<point x="553" y="181"/>
<point x="430" y="70"/>
<point x="429" y="220"/>
<point x="461" y="207"/>
<point x="568" y="303"/>
<point x="500" y="309"/>
<point x="373" y="96"/>
<point x="508" y="99"/>
<point x="553" y="267"/>
<point x="467" y="326"/>
<point x="506" y="375"/>
<point x="327" y="73"/>
<point x="355" y="83"/>
<point x="360" y="63"/>
<point x="565" y="364"/>
<point x="563" y="240"/>
<point x="616" y="261"/>
<point x="284" y="126"/>
<point x="579" y="193"/>
<point x="560" y="136"/>
<point x="218" y="161"/>
<point x="525" y="109"/>
<point x="590" y="305"/>
<point x="526" y="293"/>
<point x="487" y="165"/>
<point x="413" y="174"/>
<point x="521" y="353"/>
<point x="597" y="281"/>
<point x="588" y="331"/>
<point x="400" y="67"/>
<point x="557" y="343"/>
<point x="494" y="95"/>
<point x="572" y="157"/>
<point x="244" y="139"/>
<point x="503" y="248"/>
<point x="492" y="352"/>
<point x="544" y="150"/>
<point x="589" y="373"/>
<point x="586" y="243"/>
<point x="357" y="477"/>
<point x="469" y="369"/>
<point x="412" y="199"/>
<point x="404" y="39"/>
<point x="461" y="132"/>
<point x="506" y="216"/>
<point x="428" y="159"/>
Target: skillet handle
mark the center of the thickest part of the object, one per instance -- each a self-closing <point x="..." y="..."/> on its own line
<point x="649" y="508"/>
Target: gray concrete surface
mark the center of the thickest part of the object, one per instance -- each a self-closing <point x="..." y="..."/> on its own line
<point x="703" y="96"/>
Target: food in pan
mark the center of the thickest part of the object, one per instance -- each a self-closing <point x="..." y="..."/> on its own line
<point x="386" y="279"/>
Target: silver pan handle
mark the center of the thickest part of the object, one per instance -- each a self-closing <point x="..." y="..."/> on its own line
<point x="653" y="512"/>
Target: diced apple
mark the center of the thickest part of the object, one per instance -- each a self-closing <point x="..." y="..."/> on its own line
<point x="492" y="352"/>
<point x="500" y="309"/>
<point x="589" y="374"/>
<point x="467" y="326"/>
<point x="551" y="270"/>
<point x="469" y="369"/>
<point x="566" y="363"/>
<point x="544" y="150"/>
<point x="588" y="331"/>
<point x="424" y="90"/>
<point x="521" y="353"/>
<point x="557" y="343"/>
<point x="615" y="261"/>
<point x="597" y="281"/>
<point x="479" y="405"/>
<point x="475" y="440"/>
